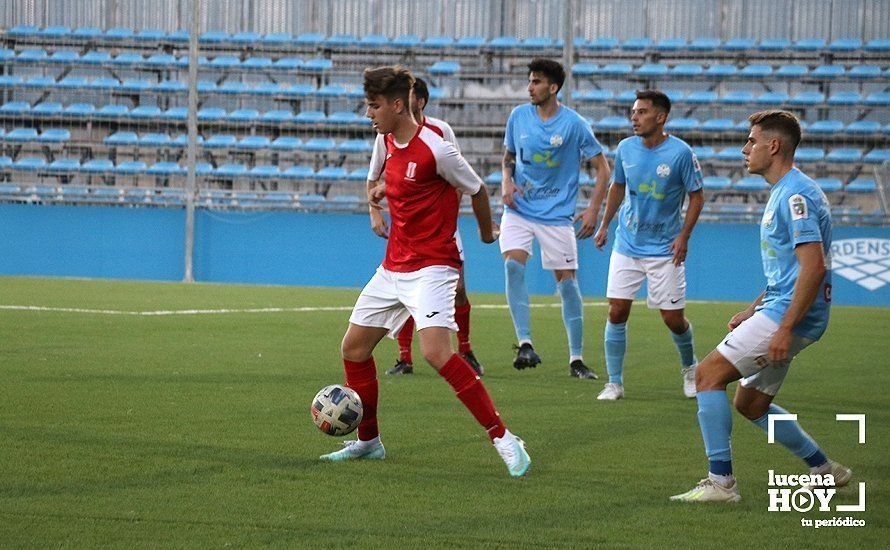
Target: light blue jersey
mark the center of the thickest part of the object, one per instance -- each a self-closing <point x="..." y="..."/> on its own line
<point x="548" y="161"/>
<point x="797" y="212"/>
<point x="656" y="182"/>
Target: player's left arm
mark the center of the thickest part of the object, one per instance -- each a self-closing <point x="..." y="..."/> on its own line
<point x="590" y="214"/>
<point x="806" y="288"/>
<point x="680" y="247"/>
<point x="454" y="168"/>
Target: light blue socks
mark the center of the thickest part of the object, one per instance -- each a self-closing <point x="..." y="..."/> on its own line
<point x="684" y="346"/>
<point x="616" y="345"/>
<point x="572" y="314"/>
<point x="715" y="421"/>
<point x="791" y="435"/>
<point x="517" y="299"/>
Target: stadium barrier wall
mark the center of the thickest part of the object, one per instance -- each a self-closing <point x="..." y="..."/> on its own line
<point x="339" y="250"/>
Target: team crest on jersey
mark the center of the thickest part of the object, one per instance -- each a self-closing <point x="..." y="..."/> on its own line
<point x="768" y="218"/>
<point x="798" y="207"/>
<point x="555" y="140"/>
<point x="663" y="170"/>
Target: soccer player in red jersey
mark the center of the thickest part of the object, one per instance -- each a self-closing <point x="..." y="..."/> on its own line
<point x="419" y="274"/>
<point x="405" y="363"/>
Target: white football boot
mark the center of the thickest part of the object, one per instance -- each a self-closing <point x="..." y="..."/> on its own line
<point x="689" y="381"/>
<point x="612" y="391"/>
<point x="512" y="450"/>
<point x="709" y="490"/>
<point x="358" y="450"/>
<point x="842" y="475"/>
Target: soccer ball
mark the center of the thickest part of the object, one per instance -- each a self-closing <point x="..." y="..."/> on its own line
<point x="336" y="410"/>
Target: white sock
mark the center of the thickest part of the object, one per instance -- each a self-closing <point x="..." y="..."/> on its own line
<point x="724" y="481"/>
<point x="573" y="358"/>
<point x="823" y="469"/>
<point x="521" y="342"/>
<point x="370" y="444"/>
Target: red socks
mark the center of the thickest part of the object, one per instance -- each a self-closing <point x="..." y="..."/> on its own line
<point x="405" y="336"/>
<point x="362" y="377"/>
<point x="462" y="317"/>
<point x="472" y="394"/>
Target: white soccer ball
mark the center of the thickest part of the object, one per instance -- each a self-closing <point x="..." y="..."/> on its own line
<point x="336" y="410"/>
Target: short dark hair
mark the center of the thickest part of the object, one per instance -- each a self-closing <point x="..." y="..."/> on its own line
<point x="658" y="98"/>
<point x="779" y="121"/>
<point x="421" y="91"/>
<point x="549" y="68"/>
<point x="393" y="83"/>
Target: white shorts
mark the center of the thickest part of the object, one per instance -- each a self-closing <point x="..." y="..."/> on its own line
<point x="559" y="250"/>
<point x="665" y="282"/>
<point x="746" y="348"/>
<point x="390" y="298"/>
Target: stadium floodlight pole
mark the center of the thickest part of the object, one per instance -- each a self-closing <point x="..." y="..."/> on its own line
<point x="568" y="52"/>
<point x="191" y="149"/>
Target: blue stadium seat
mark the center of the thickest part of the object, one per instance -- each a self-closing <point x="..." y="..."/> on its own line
<point x="220" y="141"/>
<point x="826" y="127"/>
<point x="470" y="42"/>
<point x="276" y="38"/>
<point x="230" y="170"/>
<point x="739" y="44"/>
<point x="298" y="173"/>
<point x="150" y="35"/>
<point x="730" y="154"/>
<point x="704" y="152"/>
<point x="214" y="37"/>
<point x="503" y="43"/>
<point x="354" y="146"/>
<point x="232" y="87"/>
<point x="54" y="135"/>
<point x="286" y="143"/>
<point x="597" y="96"/>
<point x="405" y="41"/>
<point x="374" y="41"/>
<point x="288" y="63"/>
<point x="175" y="113"/>
<point x="154" y="140"/>
<point x="211" y="113"/>
<point x="687" y="69"/>
<point x="146" y="112"/>
<point x="244" y="115"/>
<point x="807" y="98"/>
<point x="716" y="183"/>
<point x="29" y="164"/>
<point x="47" y="109"/>
<point x="5" y="163"/>
<point x="122" y="138"/>
<point x="877" y="156"/>
<point x="11" y="80"/>
<point x="253" y="143"/>
<point x="627" y="96"/>
<point x="54" y="32"/>
<point x="63" y="57"/>
<point x="170" y="86"/>
<point x="830" y="185"/>
<point x="80" y="110"/>
<point x="97" y="166"/>
<point x="792" y="71"/>
<point x="701" y="97"/>
<point x="682" y="124"/>
<point x="311" y="200"/>
<point x="772" y="98"/>
<point x="267" y="88"/>
<point x="64" y="164"/>
<point x="245" y="37"/>
<point x="332" y="90"/>
<point x="756" y="71"/>
<point x="636" y="44"/>
<point x="359" y="174"/>
<point x="865" y="71"/>
<point x="319" y="145"/>
<point x="165" y="169"/>
<point x="72" y="83"/>
<point x="721" y="71"/>
<point x="86" y="33"/>
<point x="309" y="39"/>
<point x="537" y="43"/>
<point x="223" y="62"/>
<point x="809" y="154"/>
<point x="40" y="82"/>
<point x="119" y="33"/>
<point x="878" y="45"/>
<point x="299" y="90"/>
<point x="737" y="97"/>
<point x="864" y="127"/>
<point x="652" y="69"/>
<point x="131" y="167"/>
<point x="845" y="45"/>
<point x="670" y="44"/>
<point x="182" y="140"/>
<point x="21" y="135"/>
<point x="264" y="171"/>
<point x="845" y="98"/>
<point x="601" y="43"/>
<point x="613" y="123"/>
<point x="878" y="98"/>
<point x="332" y="173"/>
<point x="718" y="125"/>
<point x="277" y="115"/>
<point x="616" y="69"/>
<point x="183" y="61"/>
<point x="135" y="85"/>
<point x="585" y="69"/>
<point x="104" y="83"/>
<point x="444" y="68"/>
<point x="809" y="44"/>
<point x="344" y="117"/>
<point x="256" y="63"/>
<point x="828" y="71"/>
<point x="310" y="117"/>
<point x="704" y="44"/>
<point x="202" y="169"/>
<point x="318" y="65"/>
<point x="861" y="185"/>
<point x="23" y="31"/>
<point x="96" y="58"/>
<point x="15" y="108"/>
<point x="437" y="42"/>
<point x="774" y="44"/>
<point x="32" y="56"/>
<point x="751" y="183"/>
<point x="844" y="156"/>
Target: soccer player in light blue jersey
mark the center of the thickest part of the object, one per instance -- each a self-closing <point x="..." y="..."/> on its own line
<point x="545" y="146"/>
<point x="789" y="315"/>
<point x="654" y="172"/>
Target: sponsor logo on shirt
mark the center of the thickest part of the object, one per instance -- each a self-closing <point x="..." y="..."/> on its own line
<point x="864" y="261"/>
<point x="652" y="189"/>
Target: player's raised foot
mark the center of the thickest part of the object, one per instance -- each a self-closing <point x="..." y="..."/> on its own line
<point x="842" y="475"/>
<point x="579" y="370"/>
<point x="357" y="450"/>
<point x="689" y="381"/>
<point x="709" y="490"/>
<point x="474" y="363"/>
<point x="526" y="358"/>
<point x="612" y="391"/>
<point x="401" y="367"/>
<point x="512" y="451"/>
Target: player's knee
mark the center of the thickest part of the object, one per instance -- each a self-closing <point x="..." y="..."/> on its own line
<point x="618" y="313"/>
<point x="353" y="350"/>
<point x="707" y="378"/>
<point x="675" y="321"/>
<point x="437" y="356"/>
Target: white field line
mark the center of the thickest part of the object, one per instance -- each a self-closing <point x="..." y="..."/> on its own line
<point x="170" y="312"/>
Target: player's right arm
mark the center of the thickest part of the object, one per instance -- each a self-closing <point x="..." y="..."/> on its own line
<point x="375" y="174"/>
<point x="613" y="201"/>
<point x="508" y="186"/>
<point x="746" y="313"/>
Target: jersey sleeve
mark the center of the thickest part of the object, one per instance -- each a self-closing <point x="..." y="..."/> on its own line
<point x="618" y="171"/>
<point x="587" y="143"/>
<point x="454" y="169"/>
<point x="449" y="136"/>
<point x="509" y="141"/>
<point x="690" y="171"/>
<point x="378" y="158"/>
<point x="803" y="220"/>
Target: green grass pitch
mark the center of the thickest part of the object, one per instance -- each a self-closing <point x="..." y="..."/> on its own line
<point x="194" y="431"/>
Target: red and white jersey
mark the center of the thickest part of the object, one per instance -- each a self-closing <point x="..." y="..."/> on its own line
<point x="378" y="156"/>
<point x="421" y="177"/>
